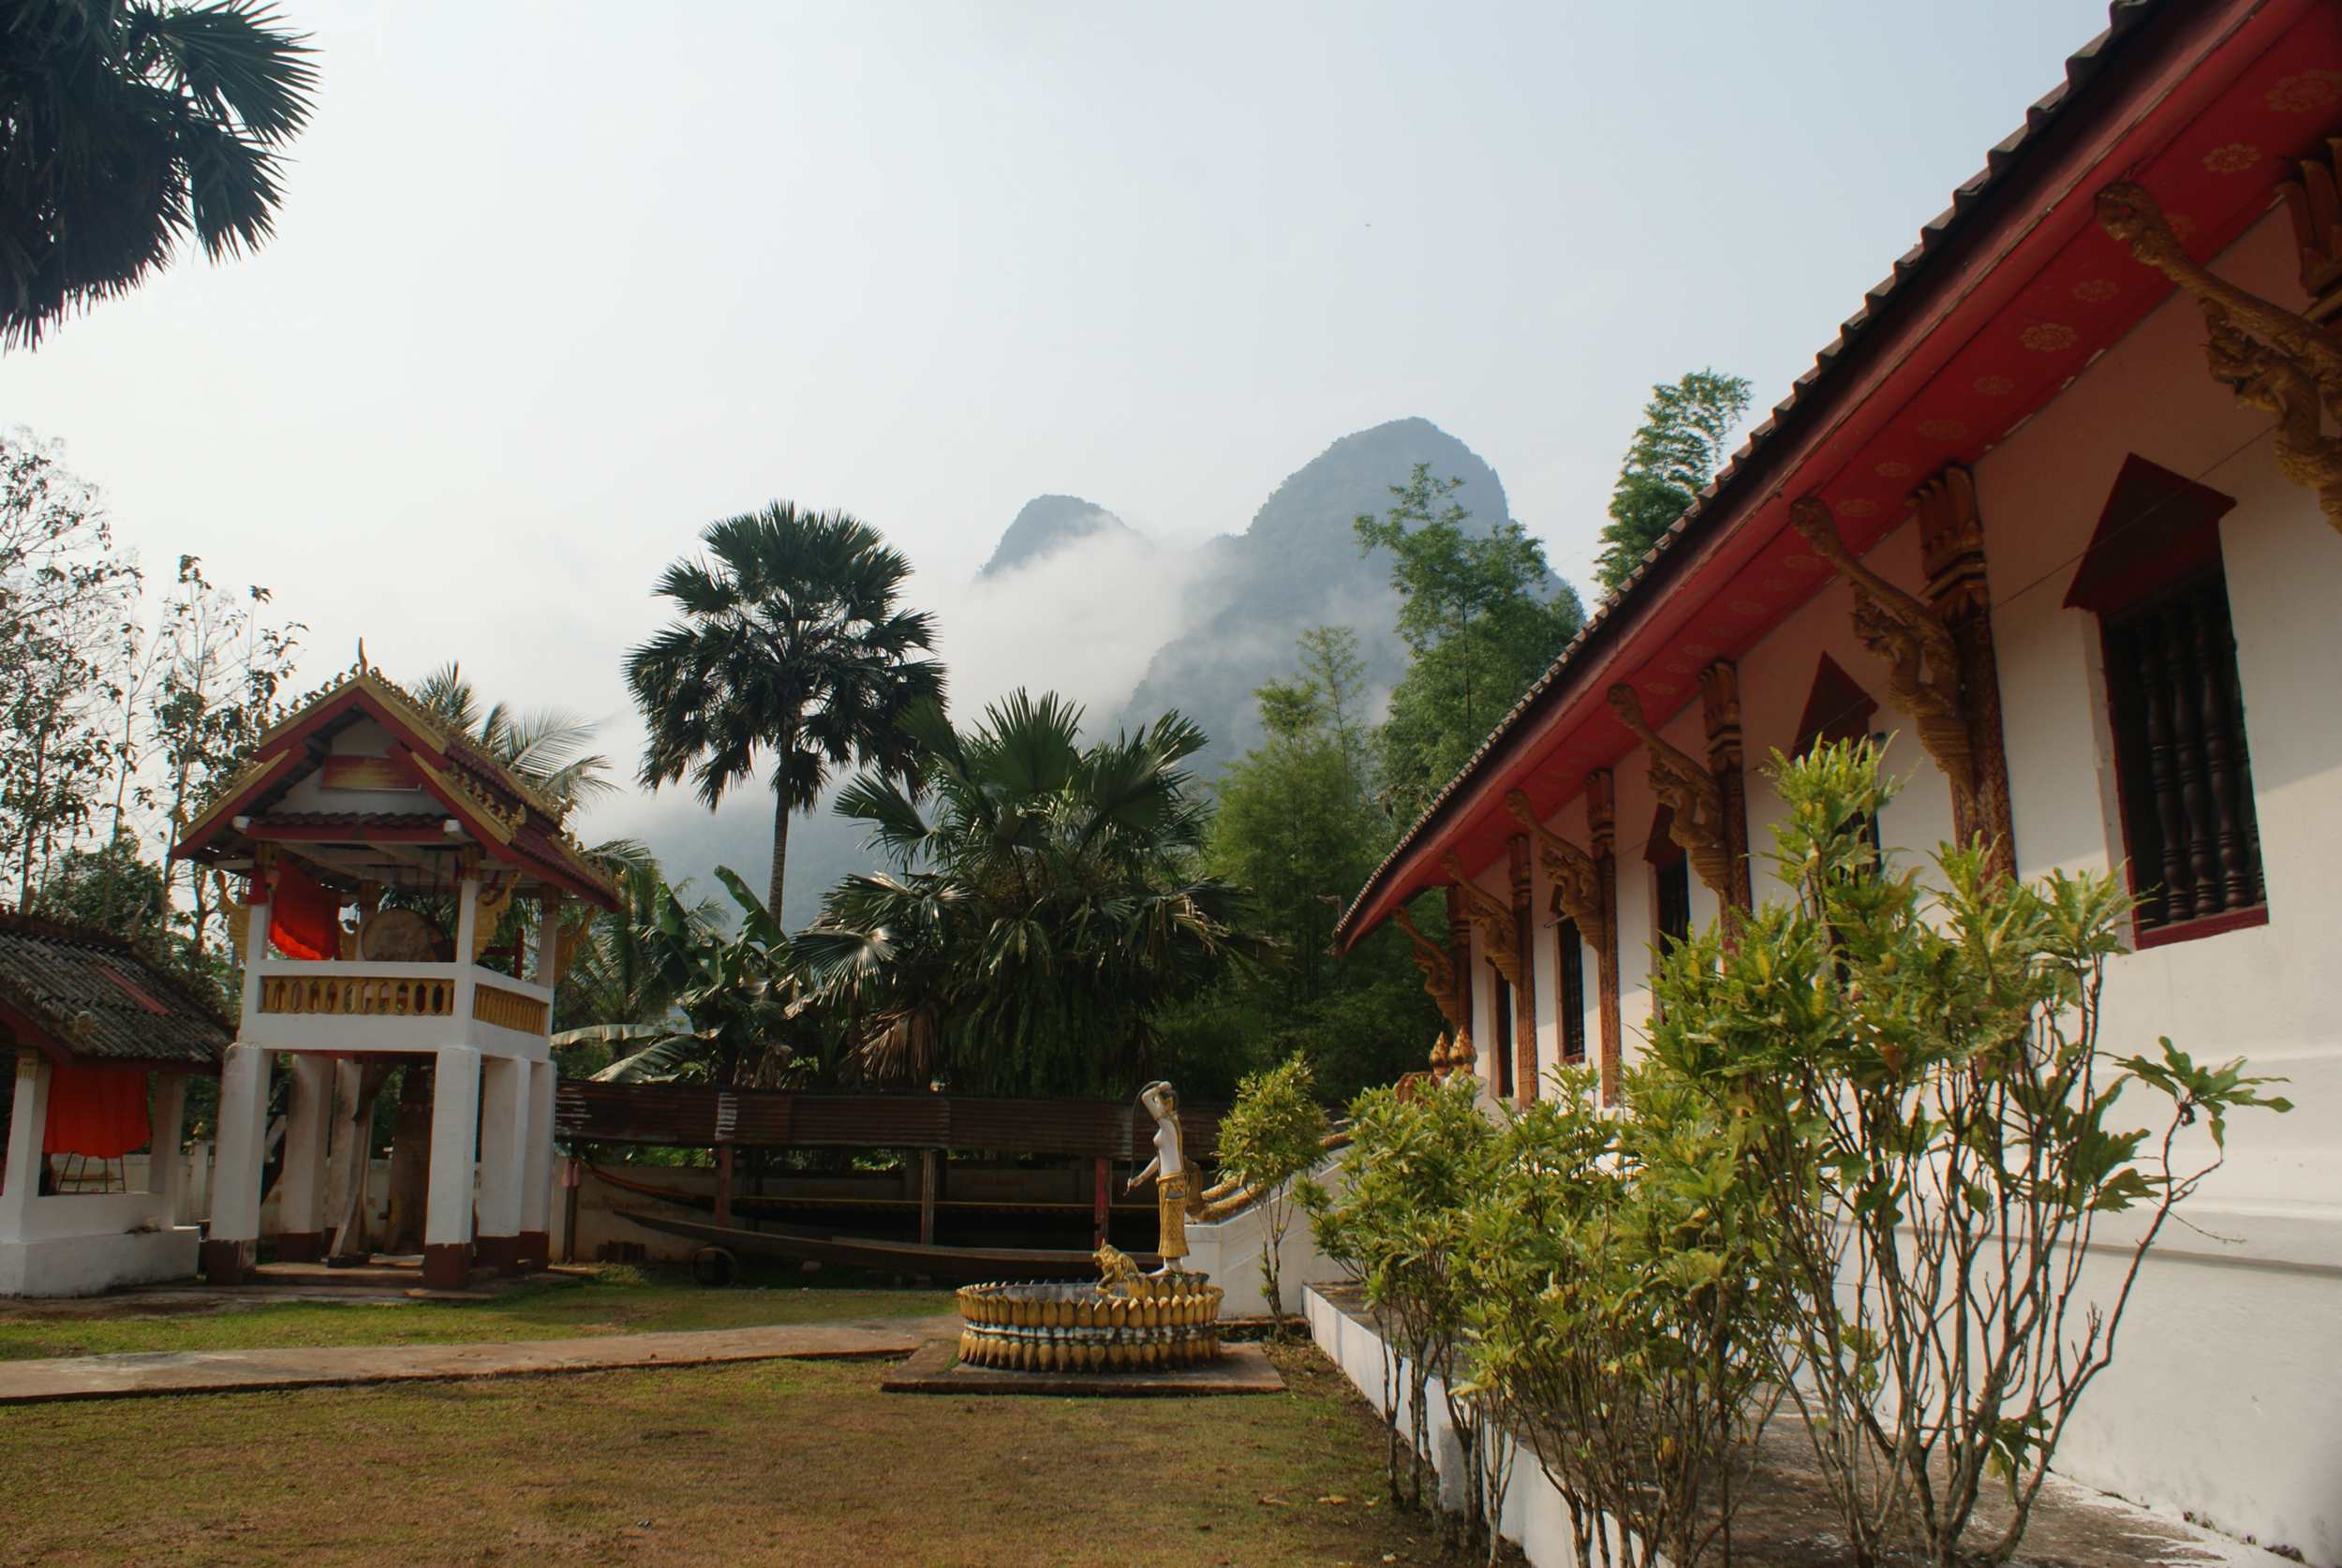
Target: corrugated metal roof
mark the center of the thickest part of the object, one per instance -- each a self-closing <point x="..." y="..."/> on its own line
<point x="1739" y="480"/>
<point x="94" y="998"/>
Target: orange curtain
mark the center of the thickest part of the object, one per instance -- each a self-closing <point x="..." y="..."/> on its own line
<point x="98" y="1112"/>
<point x="304" y="916"/>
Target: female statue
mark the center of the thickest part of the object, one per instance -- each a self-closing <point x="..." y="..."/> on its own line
<point x="1175" y="1184"/>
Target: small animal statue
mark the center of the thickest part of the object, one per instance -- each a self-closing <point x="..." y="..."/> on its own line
<point x="1115" y="1272"/>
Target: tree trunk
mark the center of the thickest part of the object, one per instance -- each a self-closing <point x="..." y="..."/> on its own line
<point x="780" y="853"/>
<point x="411" y="1159"/>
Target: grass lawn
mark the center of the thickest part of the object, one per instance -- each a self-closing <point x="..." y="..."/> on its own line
<point x="778" y="1462"/>
<point x="619" y="1301"/>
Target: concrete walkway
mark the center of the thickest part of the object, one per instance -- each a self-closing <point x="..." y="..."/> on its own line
<point x="137" y="1375"/>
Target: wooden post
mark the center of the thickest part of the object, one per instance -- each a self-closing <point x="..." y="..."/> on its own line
<point x="1524" y="992"/>
<point x="1101" y="1194"/>
<point x="1951" y="551"/>
<point x="1720" y="704"/>
<point x="723" y="1185"/>
<point x="930" y="1173"/>
<point x="1602" y="840"/>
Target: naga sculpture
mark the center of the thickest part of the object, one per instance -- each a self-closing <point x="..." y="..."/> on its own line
<point x="1922" y="658"/>
<point x="1577" y="880"/>
<point x="1689" y="793"/>
<point x="2270" y="358"/>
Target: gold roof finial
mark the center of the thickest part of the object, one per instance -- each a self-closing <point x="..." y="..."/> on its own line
<point x="361" y="656"/>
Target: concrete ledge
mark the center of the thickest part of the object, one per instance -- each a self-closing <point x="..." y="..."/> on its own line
<point x="116" y="1377"/>
<point x="938" y="1369"/>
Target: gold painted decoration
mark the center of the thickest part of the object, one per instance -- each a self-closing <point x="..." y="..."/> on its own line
<point x="2272" y="359"/>
<point x="1492" y="918"/>
<point x="1689" y="792"/>
<point x="489" y="912"/>
<point x="1577" y="880"/>
<point x="1921" y="657"/>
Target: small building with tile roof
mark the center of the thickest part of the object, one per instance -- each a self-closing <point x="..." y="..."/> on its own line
<point x="102" y="1039"/>
<point x="381" y="850"/>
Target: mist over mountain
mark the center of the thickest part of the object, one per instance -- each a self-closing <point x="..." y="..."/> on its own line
<point x="1298" y="566"/>
<point x="1045" y="525"/>
<point x="1074" y="599"/>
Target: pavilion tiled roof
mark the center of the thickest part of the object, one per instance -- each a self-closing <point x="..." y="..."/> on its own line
<point x="1743" y="480"/>
<point x="96" y="1000"/>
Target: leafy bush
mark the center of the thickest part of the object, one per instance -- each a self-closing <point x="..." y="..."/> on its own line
<point x="1619" y="1316"/>
<point x="1274" y="1132"/>
<point x="1914" y="1076"/>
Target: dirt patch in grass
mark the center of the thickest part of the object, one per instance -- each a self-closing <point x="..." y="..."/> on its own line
<point x="772" y="1463"/>
<point x="622" y="1304"/>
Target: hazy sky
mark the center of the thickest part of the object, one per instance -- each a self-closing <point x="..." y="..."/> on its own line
<point x="556" y="282"/>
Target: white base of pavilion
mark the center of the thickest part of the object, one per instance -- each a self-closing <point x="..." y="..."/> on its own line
<point x="82" y="1243"/>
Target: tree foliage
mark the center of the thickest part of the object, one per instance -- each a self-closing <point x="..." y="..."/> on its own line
<point x="1685" y="436"/>
<point x="128" y="128"/>
<point x="792" y="652"/>
<point x="1481" y="616"/>
<point x="1045" y="905"/>
<point x="1274" y="1132"/>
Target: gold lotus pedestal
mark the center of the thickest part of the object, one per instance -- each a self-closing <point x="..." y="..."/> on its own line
<point x="1131" y="1323"/>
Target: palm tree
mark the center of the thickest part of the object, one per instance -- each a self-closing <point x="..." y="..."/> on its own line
<point x="1046" y="904"/>
<point x="790" y="648"/>
<point x="126" y="127"/>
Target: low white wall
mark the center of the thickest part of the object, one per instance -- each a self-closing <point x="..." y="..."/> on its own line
<point x="60" y="1265"/>
<point x="1230" y="1252"/>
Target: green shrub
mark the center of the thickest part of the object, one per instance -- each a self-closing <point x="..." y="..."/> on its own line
<point x="1275" y="1132"/>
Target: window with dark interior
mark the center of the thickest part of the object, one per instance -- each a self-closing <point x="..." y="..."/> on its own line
<point x="1572" y="1006"/>
<point x="1671" y="881"/>
<point x="2154" y="578"/>
<point x="1837" y="709"/>
<point x="1503" y="991"/>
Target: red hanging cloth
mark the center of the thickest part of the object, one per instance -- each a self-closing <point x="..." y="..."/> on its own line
<point x="96" y="1112"/>
<point x="305" y="917"/>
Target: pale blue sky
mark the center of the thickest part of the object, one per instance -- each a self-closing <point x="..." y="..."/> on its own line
<point x="556" y="282"/>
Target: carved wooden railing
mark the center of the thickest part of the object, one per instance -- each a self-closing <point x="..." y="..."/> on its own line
<point x="508" y="1010"/>
<point x="355" y="995"/>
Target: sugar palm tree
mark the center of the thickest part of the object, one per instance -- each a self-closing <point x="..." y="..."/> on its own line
<point x="124" y="129"/>
<point x="791" y="654"/>
<point x="1046" y="904"/>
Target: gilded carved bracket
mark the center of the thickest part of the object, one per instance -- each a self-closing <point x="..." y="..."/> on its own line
<point x="1492" y="918"/>
<point x="1922" y="658"/>
<point x="1577" y="880"/>
<point x="1439" y="971"/>
<point x="1690" y="792"/>
<point x="2272" y="359"/>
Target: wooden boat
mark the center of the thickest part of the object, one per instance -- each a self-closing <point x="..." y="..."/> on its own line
<point x="884" y="1257"/>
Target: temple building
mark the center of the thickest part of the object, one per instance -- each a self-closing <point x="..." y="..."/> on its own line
<point x="2060" y="511"/>
<point x="364" y="802"/>
<point x="101" y="1042"/>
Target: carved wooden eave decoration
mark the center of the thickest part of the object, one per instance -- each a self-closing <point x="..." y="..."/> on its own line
<point x="1439" y="971"/>
<point x="1577" y="880"/>
<point x="2314" y="202"/>
<point x="1922" y="659"/>
<point x="1492" y="918"/>
<point x="1690" y="792"/>
<point x="2272" y="359"/>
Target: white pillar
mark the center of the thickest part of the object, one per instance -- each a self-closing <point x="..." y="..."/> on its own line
<point x="165" y="1169"/>
<point x="536" y="1167"/>
<point x="300" y="1192"/>
<point x="237" y="1159"/>
<point x="504" y="1101"/>
<point x="454" y="1131"/>
<point x="28" y="1118"/>
<point x="227" y="1250"/>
